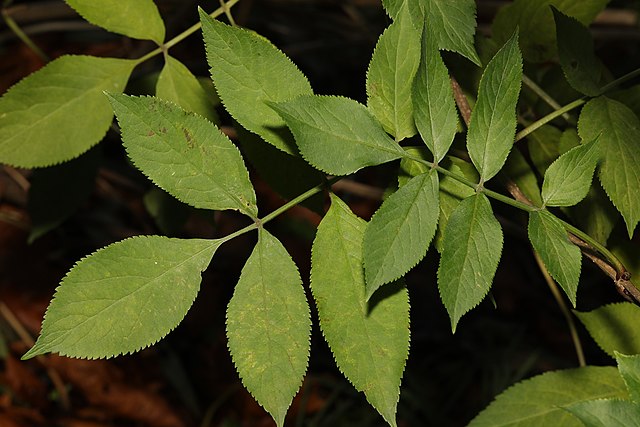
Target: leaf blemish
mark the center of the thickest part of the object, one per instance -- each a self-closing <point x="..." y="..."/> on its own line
<point x="189" y="137"/>
<point x="151" y="133"/>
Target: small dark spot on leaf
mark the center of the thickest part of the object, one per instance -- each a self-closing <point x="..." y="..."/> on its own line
<point x="188" y="136"/>
<point x="151" y="133"/>
<point x="163" y="130"/>
<point x="574" y="64"/>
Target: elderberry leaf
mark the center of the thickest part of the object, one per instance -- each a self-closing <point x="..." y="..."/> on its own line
<point x="471" y="251"/>
<point x="369" y="340"/>
<point x="606" y="413"/>
<point x="178" y="85"/>
<point x="184" y="154"/>
<point x="561" y="257"/>
<point x="268" y="327"/>
<point x="59" y="112"/>
<point x="568" y="179"/>
<point x="629" y="368"/>
<point x="124" y="297"/>
<point x="493" y="120"/>
<point x="248" y="72"/>
<point x="539" y="401"/>
<point x="618" y="130"/>
<point x="337" y="135"/>
<point x="138" y="19"/>
<point x="393" y="65"/>
<point x="400" y="231"/>
<point x="613" y="327"/>
<point x="433" y="104"/>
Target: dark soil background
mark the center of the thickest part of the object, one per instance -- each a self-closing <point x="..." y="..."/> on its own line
<point x="188" y="379"/>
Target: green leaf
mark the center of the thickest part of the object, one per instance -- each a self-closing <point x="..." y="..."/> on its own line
<point x="124" y="297"/>
<point x="178" y="85"/>
<point x="370" y="341"/>
<point x="538" y="401"/>
<point x="534" y="19"/>
<point x="521" y="173"/>
<point x="434" y="107"/>
<point x="577" y="58"/>
<point x="629" y="368"/>
<point x="390" y="75"/>
<point x="268" y="326"/>
<point x="400" y="231"/>
<point x="618" y="130"/>
<point x="168" y="213"/>
<point x="568" y="179"/>
<point x="543" y="145"/>
<point x="56" y="192"/>
<point x="184" y="154"/>
<point x="606" y="413"/>
<point x="561" y="257"/>
<point x="138" y="19"/>
<point x="471" y="252"/>
<point x="493" y="120"/>
<point x="248" y="71"/>
<point x="453" y="22"/>
<point x="614" y="327"/>
<point x="337" y="135"/>
<point x="595" y="215"/>
<point x="59" y="112"/>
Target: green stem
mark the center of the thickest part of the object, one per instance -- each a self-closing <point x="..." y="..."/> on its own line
<point x="13" y="25"/>
<point x="611" y="258"/>
<point x="544" y="96"/>
<point x="186" y="33"/>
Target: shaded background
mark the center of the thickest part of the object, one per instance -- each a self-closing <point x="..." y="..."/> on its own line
<point x="188" y="378"/>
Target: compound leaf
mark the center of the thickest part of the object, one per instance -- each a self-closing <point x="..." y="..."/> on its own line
<point x="544" y="147"/>
<point x="614" y="327"/>
<point x="337" y="135"/>
<point x="618" y="130"/>
<point x="393" y="65"/>
<point x="433" y="104"/>
<point x="138" y="19"/>
<point x="400" y="232"/>
<point x="538" y="401"/>
<point x="184" y="154"/>
<point x="561" y="257"/>
<point x="629" y="368"/>
<point x="124" y="297"/>
<point x="178" y="85"/>
<point x="268" y="327"/>
<point x="493" y="120"/>
<point x="471" y="251"/>
<point x="369" y="340"/>
<point x="606" y="413"/>
<point x="248" y="71"/>
<point x="59" y="112"/>
<point x="534" y="19"/>
<point x="568" y="179"/>
<point x="577" y="58"/>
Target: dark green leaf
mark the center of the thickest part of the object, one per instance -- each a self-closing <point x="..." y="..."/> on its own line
<point x="629" y="368"/>
<point x="614" y="327"/>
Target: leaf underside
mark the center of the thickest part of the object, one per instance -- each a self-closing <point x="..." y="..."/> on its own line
<point x="613" y="327"/>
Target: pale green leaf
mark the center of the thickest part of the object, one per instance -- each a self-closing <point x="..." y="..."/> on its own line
<point x="562" y="258"/>
<point x="124" y="297"/>
<point x="568" y="179"/>
<point x="538" y="401"/>
<point x="178" y="85"/>
<point x="138" y="19"/>
<point x="248" y="71"/>
<point x="614" y="327"/>
<point x="629" y="368"/>
<point x="390" y="75"/>
<point x="184" y="154"/>
<point x="59" y="112"/>
<point x="471" y="252"/>
<point x="606" y="413"/>
<point x="337" y="135"/>
<point x="434" y="107"/>
<point x="577" y="57"/>
<point x="493" y="120"/>
<point x="534" y="19"/>
<point x="522" y="175"/>
<point x="268" y="327"/>
<point x="370" y="341"/>
<point x="453" y="22"/>
<point x="400" y="231"/>
<point x="544" y="146"/>
<point x="618" y="130"/>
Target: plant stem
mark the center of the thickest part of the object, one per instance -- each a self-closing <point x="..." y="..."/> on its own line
<point x="544" y="96"/>
<point x="11" y="23"/>
<point x="186" y="33"/>
<point x="564" y="309"/>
